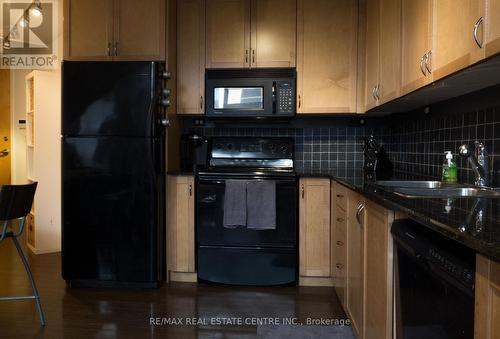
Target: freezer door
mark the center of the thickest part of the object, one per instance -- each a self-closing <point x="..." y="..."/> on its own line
<point x="110" y="98"/>
<point x="113" y="209"/>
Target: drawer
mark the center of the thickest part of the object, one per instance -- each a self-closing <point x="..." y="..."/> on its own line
<point x="341" y="197"/>
<point x="30" y="229"/>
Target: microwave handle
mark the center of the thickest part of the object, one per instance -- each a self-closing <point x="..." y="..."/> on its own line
<point x="274" y="97"/>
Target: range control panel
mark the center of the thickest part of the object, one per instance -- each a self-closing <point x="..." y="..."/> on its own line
<point x="252" y="148"/>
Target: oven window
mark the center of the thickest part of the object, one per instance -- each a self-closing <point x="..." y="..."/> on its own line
<point x="241" y="98"/>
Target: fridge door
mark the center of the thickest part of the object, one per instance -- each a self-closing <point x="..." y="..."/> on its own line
<point x="113" y="209"/>
<point x="110" y="98"/>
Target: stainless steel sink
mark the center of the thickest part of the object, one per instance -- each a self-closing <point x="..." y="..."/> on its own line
<point x="409" y="183"/>
<point x="434" y="189"/>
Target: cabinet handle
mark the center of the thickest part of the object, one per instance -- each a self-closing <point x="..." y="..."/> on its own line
<point x="360" y="209"/>
<point x="476" y="28"/>
<point x="201" y="102"/>
<point x="246" y="56"/>
<point x="373" y="93"/>
<point x="109" y="48"/>
<point x="428" y="62"/>
<point x="340" y="220"/>
<point x="302" y="191"/>
<point x="190" y="189"/>
<point x="300" y="101"/>
<point x="340" y="243"/>
<point x="340" y="195"/>
<point x="422" y="65"/>
<point x="116" y="48"/>
<point x="339" y="266"/>
<point x="253" y="56"/>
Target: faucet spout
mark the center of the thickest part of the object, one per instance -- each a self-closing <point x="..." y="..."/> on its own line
<point x="478" y="161"/>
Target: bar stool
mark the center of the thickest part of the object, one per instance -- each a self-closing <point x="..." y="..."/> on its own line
<point x="15" y="203"/>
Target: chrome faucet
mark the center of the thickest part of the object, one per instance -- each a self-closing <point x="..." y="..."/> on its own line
<point x="478" y="161"/>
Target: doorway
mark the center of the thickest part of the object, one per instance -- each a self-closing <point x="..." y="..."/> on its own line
<point x="5" y="149"/>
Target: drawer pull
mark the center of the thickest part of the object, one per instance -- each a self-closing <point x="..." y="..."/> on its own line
<point x="339" y="266"/>
<point x="340" y="243"/>
<point x="340" y="220"/>
<point x="340" y="195"/>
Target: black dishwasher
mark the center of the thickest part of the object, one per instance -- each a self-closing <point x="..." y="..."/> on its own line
<point x="434" y="278"/>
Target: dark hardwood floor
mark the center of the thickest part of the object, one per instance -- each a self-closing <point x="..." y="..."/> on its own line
<point x="126" y="313"/>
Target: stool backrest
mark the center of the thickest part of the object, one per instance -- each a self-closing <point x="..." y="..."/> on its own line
<point x="16" y="200"/>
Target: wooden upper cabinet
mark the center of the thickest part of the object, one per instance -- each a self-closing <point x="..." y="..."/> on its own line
<point x="228" y="33"/>
<point x="492" y="34"/>
<point x="455" y="33"/>
<point x="372" y="65"/>
<point x="140" y="30"/>
<point x="114" y="30"/>
<point x="190" y="56"/>
<point x="88" y="29"/>
<point x="326" y="56"/>
<point x="273" y="38"/>
<point x="378" y="272"/>
<point x="251" y="33"/>
<point x="416" y="44"/>
<point x="390" y="50"/>
<point x="314" y="227"/>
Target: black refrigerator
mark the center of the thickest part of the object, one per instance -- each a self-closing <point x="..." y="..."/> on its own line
<point x="113" y="174"/>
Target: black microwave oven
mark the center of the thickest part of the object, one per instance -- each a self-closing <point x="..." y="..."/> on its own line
<point x="250" y="93"/>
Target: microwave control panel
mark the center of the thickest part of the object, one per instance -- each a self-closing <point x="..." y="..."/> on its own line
<point x="286" y="96"/>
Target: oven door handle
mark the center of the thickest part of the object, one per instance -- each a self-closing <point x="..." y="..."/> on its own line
<point x="221" y="180"/>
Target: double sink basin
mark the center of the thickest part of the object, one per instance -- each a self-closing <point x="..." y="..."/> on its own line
<point x="434" y="189"/>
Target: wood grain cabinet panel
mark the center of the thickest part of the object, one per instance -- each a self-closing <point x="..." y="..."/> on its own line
<point x="326" y="56"/>
<point x="378" y="272"/>
<point x="314" y="227"/>
<point x="180" y="224"/>
<point x="274" y="33"/>
<point x="487" y="300"/>
<point x="228" y="33"/>
<point x="416" y="43"/>
<point x="190" y="56"/>
<point x="492" y="28"/>
<point x="88" y="29"/>
<point x="454" y="30"/>
<point x="114" y="30"/>
<point x="339" y="243"/>
<point x="355" y="261"/>
<point x="140" y="30"/>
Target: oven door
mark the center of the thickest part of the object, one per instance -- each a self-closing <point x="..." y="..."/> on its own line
<point x="210" y="211"/>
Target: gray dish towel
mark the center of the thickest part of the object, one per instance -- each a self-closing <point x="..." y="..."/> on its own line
<point x="261" y="205"/>
<point x="235" y="203"/>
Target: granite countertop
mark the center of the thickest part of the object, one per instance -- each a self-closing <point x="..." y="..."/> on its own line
<point x="473" y="222"/>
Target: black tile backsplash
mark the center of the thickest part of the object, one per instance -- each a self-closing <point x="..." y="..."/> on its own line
<point x="415" y="141"/>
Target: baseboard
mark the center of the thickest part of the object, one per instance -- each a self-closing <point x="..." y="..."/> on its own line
<point x="316" y="281"/>
<point x="183" y="276"/>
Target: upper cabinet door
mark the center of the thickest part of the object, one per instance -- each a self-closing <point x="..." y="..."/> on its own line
<point x="416" y="44"/>
<point x="274" y="33"/>
<point x="190" y="56"/>
<point x="326" y="56"/>
<point x="390" y="50"/>
<point x="139" y="30"/>
<point x="372" y="53"/>
<point x="458" y="35"/>
<point x="492" y="43"/>
<point x="228" y="33"/>
<point x="88" y="29"/>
